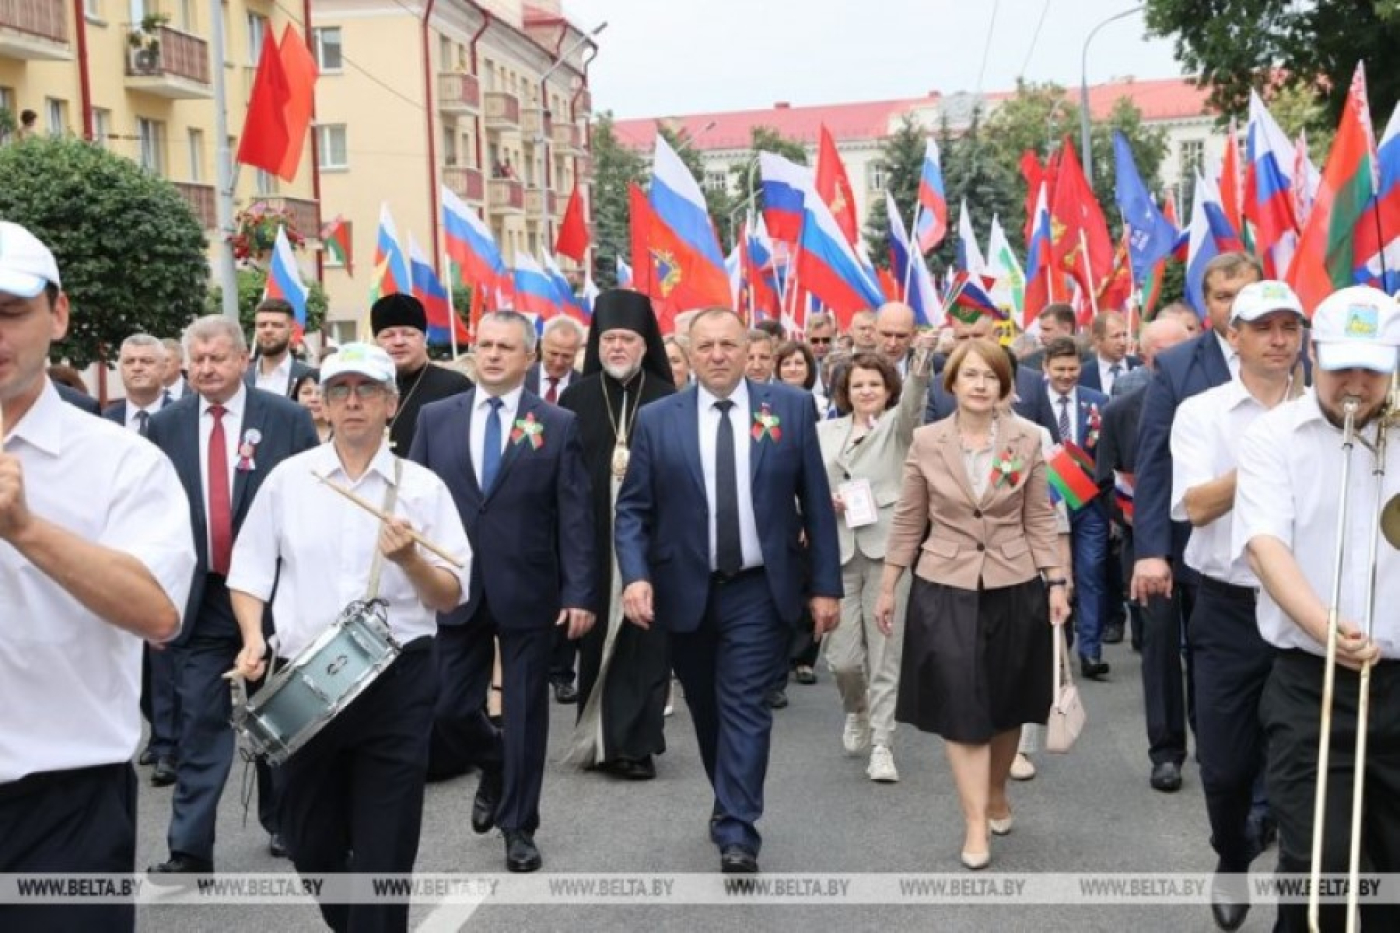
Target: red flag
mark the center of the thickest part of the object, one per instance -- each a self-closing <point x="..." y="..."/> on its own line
<point x="299" y="69"/>
<point x="1230" y="181"/>
<point x="265" y="140"/>
<point x="835" y="187"/>
<point x="572" y="240"/>
<point x="1080" y="244"/>
<point x="888" y="285"/>
<point x="1117" y="288"/>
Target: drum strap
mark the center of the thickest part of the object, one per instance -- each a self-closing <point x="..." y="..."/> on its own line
<point x="391" y="498"/>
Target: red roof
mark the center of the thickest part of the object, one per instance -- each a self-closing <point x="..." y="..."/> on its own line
<point x="1164" y="99"/>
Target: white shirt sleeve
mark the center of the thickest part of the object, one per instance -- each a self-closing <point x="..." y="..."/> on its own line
<point x="253" y="568"/>
<point x="444" y="528"/>
<point x="1192" y="451"/>
<point x="1264" y="502"/>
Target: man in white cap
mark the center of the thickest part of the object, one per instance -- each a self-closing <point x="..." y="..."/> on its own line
<point x="352" y="797"/>
<point x="1231" y="660"/>
<point x="95" y="558"/>
<point x="1286" y="524"/>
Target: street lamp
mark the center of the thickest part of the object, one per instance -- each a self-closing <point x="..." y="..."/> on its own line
<point x="543" y="138"/>
<point x="1084" y="141"/>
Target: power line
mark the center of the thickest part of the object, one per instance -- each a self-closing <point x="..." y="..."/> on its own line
<point x="987" y="46"/>
<point x="1035" y="37"/>
<point x="296" y="17"/>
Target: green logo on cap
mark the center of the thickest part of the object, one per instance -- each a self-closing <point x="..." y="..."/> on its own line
<point x="1275" y="290"/>
<point x="1363" y="322"/>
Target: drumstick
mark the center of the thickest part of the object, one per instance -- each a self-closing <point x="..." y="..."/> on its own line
<point x="375" y="511"/>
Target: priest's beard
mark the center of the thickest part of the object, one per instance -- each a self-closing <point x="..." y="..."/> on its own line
<point x="622" y="373"/>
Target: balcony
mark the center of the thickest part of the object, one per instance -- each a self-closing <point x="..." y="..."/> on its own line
<point x="502" y="111"/>
<point x="201" y="201"/>
<point x="167" y="63"/>
<point x="304" y="215"/>
<point x="34" y="30"/>
<point x="466" y="183"/>
<point x="583" y="167"/>
<point x="567" y="139"/>
<point x="534" y="124"/>
<point x="536" y="201"/>
<point x="583" y="104"/>
<point x="505" y="196"/>
<point x="458" y="93"/>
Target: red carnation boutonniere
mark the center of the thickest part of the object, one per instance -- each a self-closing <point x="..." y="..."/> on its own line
<point x="1007" y="469"/>
<point x="1091" y="439"/>
<point x="766" y="423"/>
<point x="528" y="430"/>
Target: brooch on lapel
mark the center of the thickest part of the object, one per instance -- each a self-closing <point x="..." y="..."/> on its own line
<point x="246" y="449"/>
<point x="528" y="430"/>
<point x="766" y="423"/>
<point x="1006" y="469"/>
<point x="1091" y="437"/>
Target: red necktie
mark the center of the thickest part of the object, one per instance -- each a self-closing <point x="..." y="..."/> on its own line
<point x="220" y="510"/>
<point x="552" y="395"/>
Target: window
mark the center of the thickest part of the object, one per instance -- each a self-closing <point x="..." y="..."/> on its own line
<point x="330" y="146"/>
<point x="449" y="145"/>
<point x="151" y="135"/>
<point x="56" y="114"/>
<point x="444" y="53"/>
<point x="196" y="151"/>
<point x="875" y="173"/>
<point x="257" y="30"/>
<point x="264" y="182"/>
<point x="716" y="181"/>
<point x="7" y="102"/>
<point x="188" y="17"/>
<point x="343" y="332"/>
<point x="1191" y="157"/>
<point x="92" y="9"/>
<point x="328" y="49"/>
<point x="101" y="127"/>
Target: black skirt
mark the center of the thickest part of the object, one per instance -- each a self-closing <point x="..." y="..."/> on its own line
<point x="976" y="662"/>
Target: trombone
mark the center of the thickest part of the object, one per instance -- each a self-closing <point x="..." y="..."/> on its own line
<point x="1387" y="524"/>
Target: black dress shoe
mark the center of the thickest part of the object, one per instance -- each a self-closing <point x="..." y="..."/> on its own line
<point x="737" y="860"/>
<point x="181" y="864"/>
<point x="164" y="773"/>
<point x="1229" y="897"/>
<point x="147" y="757"/>
<point x="633" y="769"/>
<point x="276" y="847"/>
<point x="565" y="693"/>
<point x="521" y="852"/>
<point x="1112" y="634"/>
<point x="1093" y="668"/>
<point x="1166" y="777"/>
<point x="488" y="797"/>
<point x="777" y="699"/>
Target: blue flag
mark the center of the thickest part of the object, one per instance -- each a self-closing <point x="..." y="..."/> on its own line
<point x="1151" y="237"/>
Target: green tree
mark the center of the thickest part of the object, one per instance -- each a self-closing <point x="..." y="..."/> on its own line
<point x="1235" y="45"/>
<point x="252" y="282"/>
<point x="902" y="160"/>
<point x="615" y="167"/>
<point x="130" y="249"/>
<point x="972" y="172"/>
<point x="745" y="174"/>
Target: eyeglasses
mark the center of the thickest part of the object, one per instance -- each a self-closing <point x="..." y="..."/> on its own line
<point x="819" y="340"/>
<point x="362" y="390"/>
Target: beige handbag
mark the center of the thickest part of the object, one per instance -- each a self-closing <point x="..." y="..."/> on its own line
<point x="1066" y="718"/>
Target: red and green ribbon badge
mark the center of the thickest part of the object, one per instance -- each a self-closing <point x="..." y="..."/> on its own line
<point x="1006" y="469"/>
<point x="766" y="423"/>
<point x="528" y="429"/>
<point x="1095" y="422"/>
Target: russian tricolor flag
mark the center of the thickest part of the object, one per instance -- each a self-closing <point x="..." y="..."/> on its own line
<point x="931" y="219"/>
<point x="829" y="268"/>
<point x="590" y="294"/>
<point x="573" y="306"/>
<point x="1382" y="239"/>
<point x="391" y="272"/>
<point x="1210" y="235"/>
<point x="1040" y="282"/>
<point x="623" y="272"/>
<point x="534" y="292"/>
<point x="283" y="278"/>
<point x="784" y="185"/>
<point x="676" y="198"/>
<point x="437" y="304"/>
<point x="913" y="280"/>
<point x="469" y="242"/>
<point x="1268" y="189"/>
<point x="970" y="258"/>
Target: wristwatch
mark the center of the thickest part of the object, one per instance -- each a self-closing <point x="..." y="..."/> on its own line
<point x="1058" y="582"/>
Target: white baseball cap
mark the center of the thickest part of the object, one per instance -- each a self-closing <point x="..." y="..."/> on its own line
<point x="364" y="359"/>
<point x="1258" y="299"/>
<point x="26" y="264"/>
<point x="1357" y="328"/>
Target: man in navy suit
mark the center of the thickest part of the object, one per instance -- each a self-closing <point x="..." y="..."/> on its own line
<point x="223" y="438"/>
<point x="1109" y="358"/>
<point x="515" y="467"/>
<point x="274" y="368"/>
<point x="740" y="459"/>
<point x="1074" y="413"/>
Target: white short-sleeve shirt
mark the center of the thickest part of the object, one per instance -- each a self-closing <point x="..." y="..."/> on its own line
<point x="70" y="683"/>
<point x="326" y="545"/>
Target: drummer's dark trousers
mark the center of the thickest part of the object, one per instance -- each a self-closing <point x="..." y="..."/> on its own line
<point x="357" y="787"/>
<point x="72" y="822"/>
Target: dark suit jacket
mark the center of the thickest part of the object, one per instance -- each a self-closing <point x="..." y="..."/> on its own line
<point x="299" y="369"/>
<point x="117" y="411"/>
<point x="1089" y="373"/>
<point x="663" y="511"/>
<point x="78" y="399"/>
<point x="286" y="429"/>
<point x="532" y="534"/>
<point x="1118" y="443"/>
<point x="1038" y="408"/>
<point x="1185" y="370"/>
<point x="939" y="403"/>
<point x="533" y="378"/>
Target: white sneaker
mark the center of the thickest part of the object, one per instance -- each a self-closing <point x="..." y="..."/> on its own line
<point x="856" y="737"/>
<point x="1022" y="768"/>
<point x="881" y="767"/>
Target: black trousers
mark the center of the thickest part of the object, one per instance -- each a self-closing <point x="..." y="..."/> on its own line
<point x="1232" y="664"/>
<point x="1168" y="704"/>
<point x="634" y="696"/>
<point x="1291" y="711"/>
<point x="70" y="822"/>
<point x="352" y="797"/>
<point x="561" y="656"/>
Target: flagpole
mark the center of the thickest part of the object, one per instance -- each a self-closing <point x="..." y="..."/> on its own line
<point x="914" y="249"/>
<point x="1089" y="273"/>
<point x="451" y="305"/>
<point x="746" y="261"/>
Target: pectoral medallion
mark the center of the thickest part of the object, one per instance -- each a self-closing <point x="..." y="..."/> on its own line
<point x="619" y="459"/>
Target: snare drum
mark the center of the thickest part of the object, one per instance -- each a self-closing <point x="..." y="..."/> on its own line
<point x="298" y="701"/>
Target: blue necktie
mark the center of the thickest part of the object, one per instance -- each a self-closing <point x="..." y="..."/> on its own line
<point x="143" y="422"/>
<point x="491" y="446"/>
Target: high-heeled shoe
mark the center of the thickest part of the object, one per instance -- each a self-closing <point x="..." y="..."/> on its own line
<point x="1001" y="827"/>
<point x="976" y="860"/>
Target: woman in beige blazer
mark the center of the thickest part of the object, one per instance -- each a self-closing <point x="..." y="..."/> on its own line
<point x="864" y="456"/>
<point x="975" y="511"/>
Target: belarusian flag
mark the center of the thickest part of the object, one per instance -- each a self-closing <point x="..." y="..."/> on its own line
<point x="1326" y="259"/>
<point x="336" y="237"/>
<point x="1071" y="475"/>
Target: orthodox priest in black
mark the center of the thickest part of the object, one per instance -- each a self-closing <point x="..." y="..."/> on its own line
<point x="624" y="670"/>
<point x="400" y="326"/>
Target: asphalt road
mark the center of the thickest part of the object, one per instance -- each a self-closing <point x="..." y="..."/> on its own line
<point x="1089" y="811"/>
